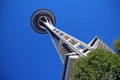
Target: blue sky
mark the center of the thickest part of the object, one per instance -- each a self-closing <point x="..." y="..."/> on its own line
<point x="27" y="55"/>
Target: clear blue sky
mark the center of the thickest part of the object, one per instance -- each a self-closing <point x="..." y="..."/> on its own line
<point x="27" y="55"/>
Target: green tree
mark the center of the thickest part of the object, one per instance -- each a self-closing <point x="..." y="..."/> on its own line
<point x="117" y="45"/>
<point x="98" y="65"/>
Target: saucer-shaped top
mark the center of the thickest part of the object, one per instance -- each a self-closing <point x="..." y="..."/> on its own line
<point x="36" y="16"/>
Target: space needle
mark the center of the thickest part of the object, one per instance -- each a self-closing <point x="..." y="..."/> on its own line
<point x="68" y="47"/>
